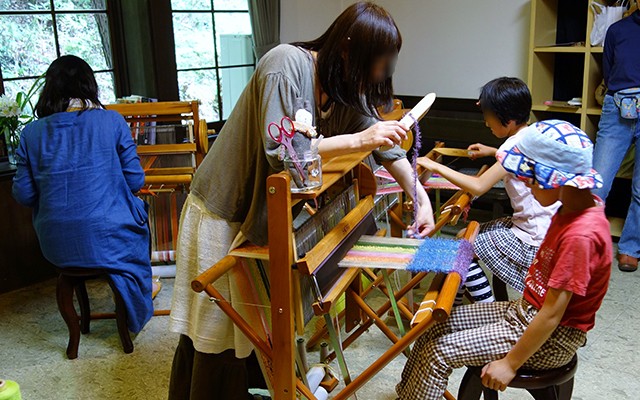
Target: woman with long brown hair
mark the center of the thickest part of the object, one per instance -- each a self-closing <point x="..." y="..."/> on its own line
<point x="340" y="80"/>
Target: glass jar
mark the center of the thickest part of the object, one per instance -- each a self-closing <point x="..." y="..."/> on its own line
<point x="305" y="172"/>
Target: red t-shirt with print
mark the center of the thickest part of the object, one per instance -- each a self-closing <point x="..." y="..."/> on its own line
<point x="576" y="256"/>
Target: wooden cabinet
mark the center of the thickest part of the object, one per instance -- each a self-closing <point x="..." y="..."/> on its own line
<point x="21" y="261"/>
<point x="578" y="66"/>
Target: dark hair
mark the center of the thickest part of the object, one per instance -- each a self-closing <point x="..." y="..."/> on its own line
<point x="68" y="77"/>
<point x="365" y="33"/>
<point x="508" y="98"/>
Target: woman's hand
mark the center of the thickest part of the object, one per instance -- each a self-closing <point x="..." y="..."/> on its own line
<point x="497" y="375"/>
<point x="403" y="173"/>
<point x="383" y="133"/>
<point x="424" y="222"/>
<point x="479" y="150"/>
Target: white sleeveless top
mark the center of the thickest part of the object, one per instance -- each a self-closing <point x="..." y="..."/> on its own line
<point x="530" y="219"/>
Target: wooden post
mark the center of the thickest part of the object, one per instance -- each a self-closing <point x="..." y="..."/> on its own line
<point x="281" y="260"/>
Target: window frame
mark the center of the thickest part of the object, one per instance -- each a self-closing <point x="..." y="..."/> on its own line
<point x="54" y="13"/>
<point x="216" y="67"/>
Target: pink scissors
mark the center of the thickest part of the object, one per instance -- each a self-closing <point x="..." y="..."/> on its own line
<point x="283" y="134"/>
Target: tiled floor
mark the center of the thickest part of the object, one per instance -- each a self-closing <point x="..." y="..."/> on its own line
<point x="33" y="339"/>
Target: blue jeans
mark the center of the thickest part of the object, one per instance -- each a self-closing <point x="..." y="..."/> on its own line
<point x="615" y="136"/>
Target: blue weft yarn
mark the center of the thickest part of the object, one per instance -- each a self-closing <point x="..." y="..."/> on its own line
<point x="443" y="255"/>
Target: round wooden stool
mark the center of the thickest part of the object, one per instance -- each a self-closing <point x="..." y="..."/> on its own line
<point x="551" y="384"/>
<point x="73" y="279"/>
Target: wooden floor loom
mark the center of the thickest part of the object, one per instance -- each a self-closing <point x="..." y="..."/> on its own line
<point x="171" y="141"/>
<point x="311" y="280"/>
<point x="448" y="214"/>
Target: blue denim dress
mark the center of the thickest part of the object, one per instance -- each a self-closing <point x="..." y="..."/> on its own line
<point x="79" y="172"/>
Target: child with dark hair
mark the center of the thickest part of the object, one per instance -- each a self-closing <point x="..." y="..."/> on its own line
<point x="564" y="286"/>
<point x="79" y="170"/>
<point x="506" y="245"/>
<point x="507" y="99"/>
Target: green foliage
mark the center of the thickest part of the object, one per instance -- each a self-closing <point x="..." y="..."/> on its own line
<point x="14" y="113"/>
<point x="27" y="43"/>
<point x="196" y="44"/>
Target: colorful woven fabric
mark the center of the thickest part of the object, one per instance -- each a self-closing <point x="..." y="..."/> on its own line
<point x="443" y="255"/>
<point x="427" y="255"/>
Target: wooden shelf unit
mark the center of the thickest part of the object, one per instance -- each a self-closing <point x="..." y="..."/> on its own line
<point x="542" y="64"/>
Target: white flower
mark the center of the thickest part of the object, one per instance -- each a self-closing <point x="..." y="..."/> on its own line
<point x="9" y="107"/>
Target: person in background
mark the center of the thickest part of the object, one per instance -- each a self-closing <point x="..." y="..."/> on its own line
<point x="79" y="171"/>
<point x="619" y="127"/>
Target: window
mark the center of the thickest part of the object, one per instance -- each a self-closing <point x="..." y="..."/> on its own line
<point x="36" y="32"/>
<point x="214" y="55"/>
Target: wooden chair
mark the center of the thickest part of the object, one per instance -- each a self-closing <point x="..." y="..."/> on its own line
<point x="72" y="280"/>
<point x="553" y="384"/>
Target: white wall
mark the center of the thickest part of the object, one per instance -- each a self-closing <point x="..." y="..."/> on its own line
<point x="451" y="47"/>
<point x="307" y="19"/>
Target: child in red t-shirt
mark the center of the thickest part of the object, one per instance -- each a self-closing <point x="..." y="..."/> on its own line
<point x="564" y="287"/>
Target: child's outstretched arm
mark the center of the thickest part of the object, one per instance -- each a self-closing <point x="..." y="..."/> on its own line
<point x="476" y="185"/>
<point x="497" y="375"/>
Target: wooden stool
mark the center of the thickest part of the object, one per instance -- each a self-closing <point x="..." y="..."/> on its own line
<point x="552" y="384"/>
<point x="73" y="279"/>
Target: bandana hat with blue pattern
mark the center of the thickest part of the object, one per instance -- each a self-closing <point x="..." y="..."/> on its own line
<point x="552" y="154"/>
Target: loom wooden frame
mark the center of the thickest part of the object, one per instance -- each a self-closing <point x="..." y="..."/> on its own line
<point x="167" y="179"/>
<point x="284" y="299"/>
<point x="449" y="213"/>
<point x="168" y="111"/>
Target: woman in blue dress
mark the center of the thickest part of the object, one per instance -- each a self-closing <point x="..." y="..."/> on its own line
<point x="79" y="171"/>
